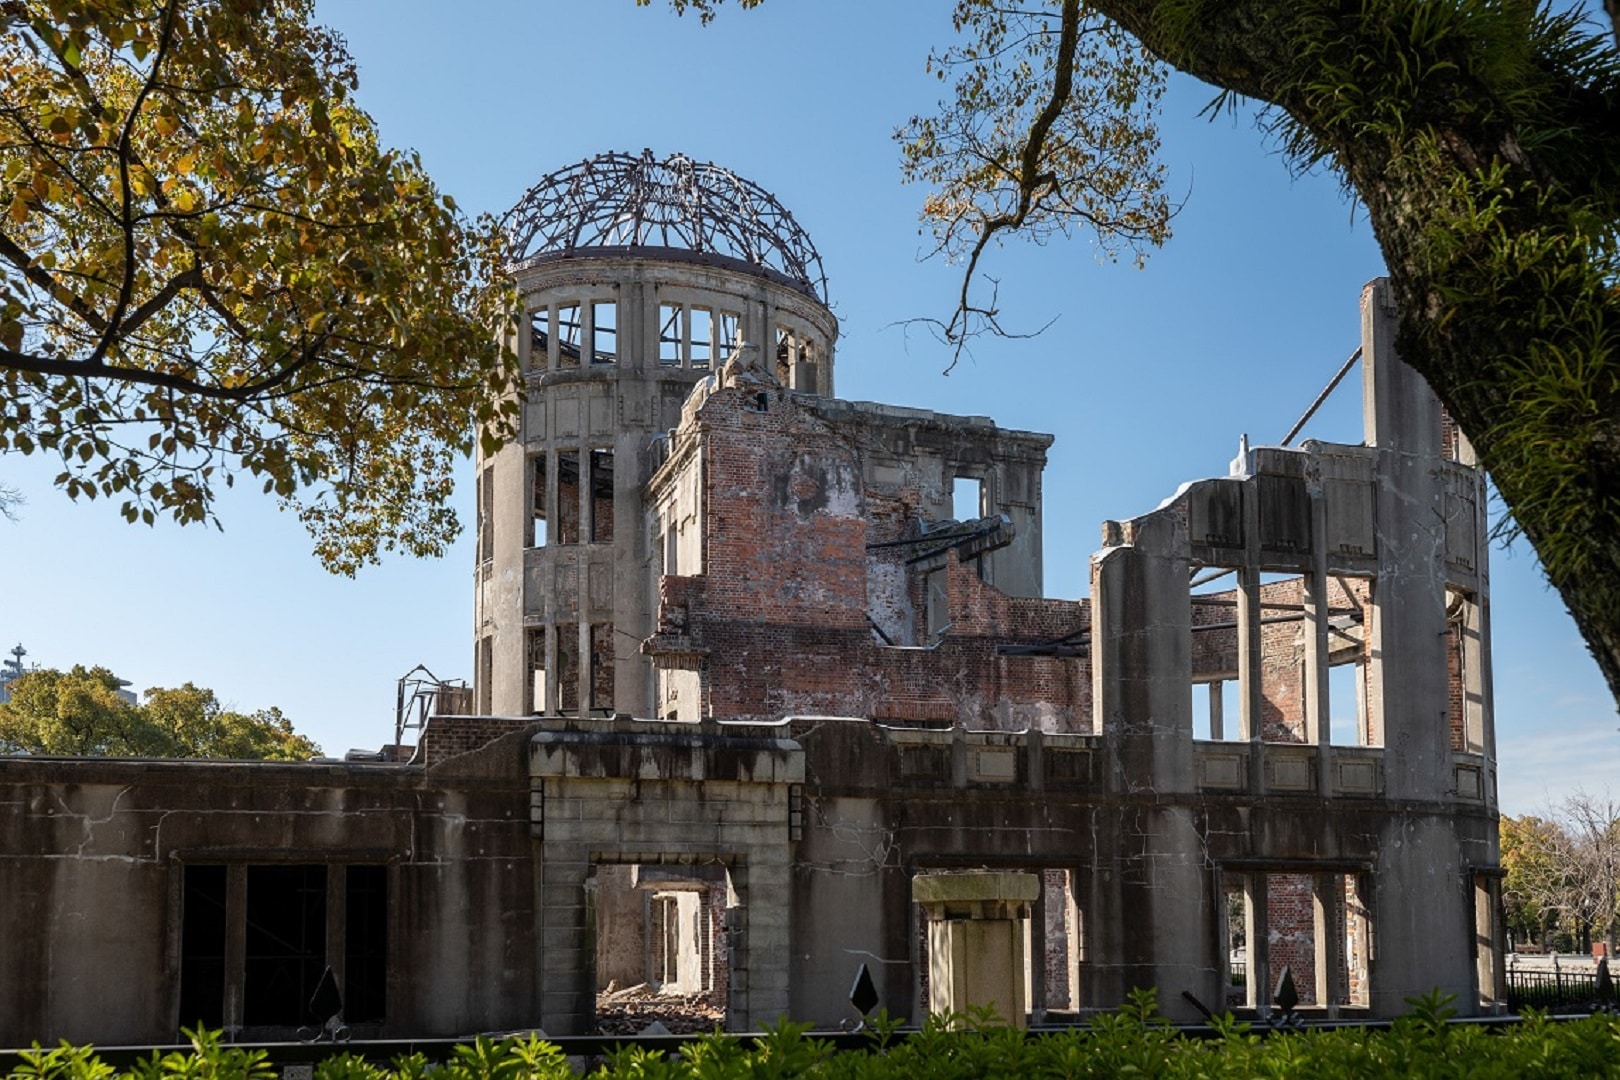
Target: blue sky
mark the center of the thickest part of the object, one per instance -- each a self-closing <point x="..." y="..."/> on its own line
<point x="1147" y="378"/>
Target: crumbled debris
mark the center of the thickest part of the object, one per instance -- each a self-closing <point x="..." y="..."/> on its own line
<point x="631" y="1010"/>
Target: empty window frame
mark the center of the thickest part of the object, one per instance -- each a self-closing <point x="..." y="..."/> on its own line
<point x="540" y="339"/>
<point x="1215" y="709"/>
<point x="534" y="648"/>
<point x="537" y="500"/>
<point x="568" y="668"/>
<point x="967" y="498"/>
<point x="285" y="942"/>
<point x="570" y="330"/>
<point x="604" y="332"/>
<point x="702" y="336"/>
<point x="787" y="354"/>
<point x="727" y="333"/>
<point x="601" y="496"/>
<point x="566" y="517"/>
<point x="671" y="335"/>
<point x="602" y="668"/>
<point x="258" y="938"/>
<point x="486" y="514"/>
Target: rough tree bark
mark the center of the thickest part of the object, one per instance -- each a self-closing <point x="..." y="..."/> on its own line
<point x="1492" y="215"/>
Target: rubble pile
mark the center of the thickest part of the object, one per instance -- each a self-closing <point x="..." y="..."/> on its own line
<point x="632" y="1010"/>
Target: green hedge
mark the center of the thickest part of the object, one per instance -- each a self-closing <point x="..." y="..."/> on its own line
<point x="1132" y="1042"/>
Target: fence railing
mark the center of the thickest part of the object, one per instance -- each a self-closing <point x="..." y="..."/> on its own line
<point x="1550" y="989"/>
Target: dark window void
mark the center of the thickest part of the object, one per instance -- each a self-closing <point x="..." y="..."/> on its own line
<point x="539" y="339"/>
<point x="602" y="667"/>
<point x="669" y="335"/>
<point x="567" y="515"/>
<point x="568" y="667"/>
<point x="570" y="330"/>
<point x="535" y="647"/>
<point x="537" y="500"/>
<point x="602" y="496"/>
<point x="604" y="332"/>
<point x="202" y="948"/>
<point x="286" y="944"/>
<point x="365" y="945"/>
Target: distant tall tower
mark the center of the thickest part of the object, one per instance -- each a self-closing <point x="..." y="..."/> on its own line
<point x="639" y="277"/>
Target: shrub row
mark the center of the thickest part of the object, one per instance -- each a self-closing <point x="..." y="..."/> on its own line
<point x="1134" y="1041"/>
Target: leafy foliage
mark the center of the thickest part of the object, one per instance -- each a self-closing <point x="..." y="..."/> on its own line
<point x="1051" y="127"/>
<point x="1563" y="872"/>
<point x="79" y="713"/>
<point x="1133" y="1041"/>
<point x="210" y="268"/>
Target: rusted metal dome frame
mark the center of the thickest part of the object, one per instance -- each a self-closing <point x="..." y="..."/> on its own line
<point x="625" y="203"/>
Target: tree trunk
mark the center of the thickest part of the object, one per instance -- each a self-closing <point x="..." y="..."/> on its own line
<point x="1519" y="354"/>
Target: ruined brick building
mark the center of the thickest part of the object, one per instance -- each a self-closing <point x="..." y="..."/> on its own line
<point x="749" y="659"/>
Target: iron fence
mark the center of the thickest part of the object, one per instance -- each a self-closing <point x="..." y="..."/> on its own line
<point x="1551" y="989"/>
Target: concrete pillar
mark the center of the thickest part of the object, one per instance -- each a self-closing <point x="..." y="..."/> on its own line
<point x="1257" y="942"/>
<point x="1329" y="935"/>
<point x="976" y="927"/>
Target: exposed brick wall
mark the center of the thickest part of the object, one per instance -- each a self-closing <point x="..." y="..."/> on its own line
<point x="1291" y="932"/>
<point x="780" y="614"/>
<point x="447" y="736"/>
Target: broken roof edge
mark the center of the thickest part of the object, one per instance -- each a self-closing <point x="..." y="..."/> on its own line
<point x="900" y="415"/>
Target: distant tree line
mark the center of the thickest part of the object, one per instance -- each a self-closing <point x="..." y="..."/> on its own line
<point x="80" y="713"/>
<point x="1563" y="874"/>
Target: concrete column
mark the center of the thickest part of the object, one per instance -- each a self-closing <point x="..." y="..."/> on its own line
<point x="567" y="993"/>
<point x="1257" y="941"/>
<point x="1328" y="902"/>
<point x="764" y="888"/>
<point x="1318" y="601"/>
<point x="976" y="940"/>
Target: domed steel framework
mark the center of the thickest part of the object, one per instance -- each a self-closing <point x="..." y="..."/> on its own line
<point x="619" y="200"/>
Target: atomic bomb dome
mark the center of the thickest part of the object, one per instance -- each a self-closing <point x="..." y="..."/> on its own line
<point x="622" y="202"/>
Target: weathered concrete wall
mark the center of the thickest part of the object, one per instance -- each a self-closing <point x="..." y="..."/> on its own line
<point x="541" y="588"/>
<point x="95" y="854"/>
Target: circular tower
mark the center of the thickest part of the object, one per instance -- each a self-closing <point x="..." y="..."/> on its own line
<point x="640" y="277"/>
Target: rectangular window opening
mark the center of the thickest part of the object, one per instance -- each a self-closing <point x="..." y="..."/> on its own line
<point x="570" y="330"/>
<point x="486" y="514"/>
<point x="286" y="944"/>
<point x="1347" y="704"/>
<point x="202" y="948"/>
<point x="537" y="500"/>
<point x="602" y="668"/>
<point x="1215" y="709"/>
<point x="728" y="334"/>
<point x="567" y="516"/>
<point x="365" y="945"/>
<point x="669" y="335"/>
<point x="702" y="337"/>
<point x="967" y="498"/>
<point x="604" y="332"/>
<point x="787" y="352"/>
<point x="602" y="496"/>
<point x="535" y="649"/>
<point x="568" y="668"/>
<point x="539" y="339"/>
